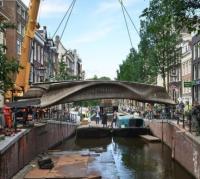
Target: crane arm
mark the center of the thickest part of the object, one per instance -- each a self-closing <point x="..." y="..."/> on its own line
<point x="22" y="79"/>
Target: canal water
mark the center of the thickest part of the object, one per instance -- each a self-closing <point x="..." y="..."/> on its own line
<point x="128" y="158"/>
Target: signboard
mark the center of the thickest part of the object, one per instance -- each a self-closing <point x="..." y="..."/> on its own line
<point x="188" y="84"/>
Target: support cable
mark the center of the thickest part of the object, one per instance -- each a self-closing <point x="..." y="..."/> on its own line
<point x="72" y="3"/>
<point x="131" y="19"/>
<point x="127" y="28"/>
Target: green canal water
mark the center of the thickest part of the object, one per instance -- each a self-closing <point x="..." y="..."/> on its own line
<point x="128" y="158"/>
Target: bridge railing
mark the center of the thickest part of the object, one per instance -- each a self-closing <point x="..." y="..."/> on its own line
<point x="180" y="119"/>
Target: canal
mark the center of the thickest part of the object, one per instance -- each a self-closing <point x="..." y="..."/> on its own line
<point x="127" y="158"/>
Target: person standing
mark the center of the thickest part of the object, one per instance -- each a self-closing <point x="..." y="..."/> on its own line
<point x="196" y="117"/>
<point x="104" y="119"/>
<point x="97" y="116"/>
<point x="7" y="116"/>
<point x="114" y="119"/>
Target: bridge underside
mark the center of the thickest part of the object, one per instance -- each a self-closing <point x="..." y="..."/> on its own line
<point x="50" y="94"/>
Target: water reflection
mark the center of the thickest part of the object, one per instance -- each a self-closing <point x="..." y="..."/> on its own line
<point x="129" y="158"/>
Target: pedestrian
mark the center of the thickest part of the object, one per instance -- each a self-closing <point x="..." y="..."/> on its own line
<point x="104" y="119"/>
<point x="7" y="116"/>
<point x="114" y="120"/>
<point x="15" y="110"/>
<point x="196" y="118"/>
<point x="97" y="116"/>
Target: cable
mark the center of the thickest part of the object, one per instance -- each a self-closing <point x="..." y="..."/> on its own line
<point x="120" y="1"/>
<point x="73" y="3"/>
<point x="131" y="19"/>
<point x="63" y="18"/>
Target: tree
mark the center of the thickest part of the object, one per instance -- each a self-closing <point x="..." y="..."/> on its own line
<point x="132" y="69"/>
<point x="8" y="67"/>
<point x="95" y="77"/>
<point x="184" y="12"/>
<point x="63" y="71"/>
<point x="158" y="28"/>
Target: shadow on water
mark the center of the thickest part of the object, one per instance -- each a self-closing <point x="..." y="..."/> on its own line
<point x="129" y="158"/>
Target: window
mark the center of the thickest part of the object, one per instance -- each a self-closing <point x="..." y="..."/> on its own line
<point x="18" y="46"/>
<point x="198" y="71"/>
<point x="194" y="53"/>
<point x="23" y="30"/>
<point x="1" y="3"/>
<point x="23" y="13"/>
<point x="19" y="27"/>
<point x="194" y="72"/>
<point x="189" y="67"/>
<point x="198" y="49"/>
<point x="186" y="67"/>
<point x="18" y="9"/>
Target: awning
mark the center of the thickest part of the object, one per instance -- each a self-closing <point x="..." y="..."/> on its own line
<point x="25" y="103"/>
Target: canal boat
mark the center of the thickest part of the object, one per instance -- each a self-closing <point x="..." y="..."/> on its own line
<point x="125" y="120"/>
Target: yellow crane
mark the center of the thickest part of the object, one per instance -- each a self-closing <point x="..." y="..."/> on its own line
<point x="22" y="79"/>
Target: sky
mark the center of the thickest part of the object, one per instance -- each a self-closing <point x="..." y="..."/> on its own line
<point x="96" y="29"/>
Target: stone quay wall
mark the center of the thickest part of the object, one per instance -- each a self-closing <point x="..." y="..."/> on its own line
<point x="185" y="146"/>
<point x="33" y="142"/>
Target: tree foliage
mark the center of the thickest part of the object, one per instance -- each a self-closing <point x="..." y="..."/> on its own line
<point x="63" y="73"/>
<point x="95" y="77"/>
<point x="158" y="49"/>
<point x="132" y="69"/>
<point x="8" y="67"/>
<point x="160" y="36"/>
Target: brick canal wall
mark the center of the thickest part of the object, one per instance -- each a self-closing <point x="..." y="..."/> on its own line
<point x="30" y="144"/>
<point x="185" y="146"/>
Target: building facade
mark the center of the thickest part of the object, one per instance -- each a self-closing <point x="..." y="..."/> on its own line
<point x="18" y="13"/>
<point x="4" y="17"/>
<point x="196" y="68"/>
<point x="186" y="60"/>
<point x="43" y="57"/>
<point x="71" y="59"/>
<point x="37" y="73"/>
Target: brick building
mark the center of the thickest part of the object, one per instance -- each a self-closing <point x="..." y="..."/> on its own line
<point x="18" y="13"/>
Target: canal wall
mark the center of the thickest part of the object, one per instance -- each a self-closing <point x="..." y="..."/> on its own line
<point x="31" y="143"/>
<point x="185" y="146"/>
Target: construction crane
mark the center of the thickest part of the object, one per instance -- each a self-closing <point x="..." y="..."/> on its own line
<point x="22" y="79"/>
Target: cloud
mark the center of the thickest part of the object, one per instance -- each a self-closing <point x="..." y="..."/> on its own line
<point x="112" y="5"/>
<point x="49" y="9"/>
<point x="92" y="36"/>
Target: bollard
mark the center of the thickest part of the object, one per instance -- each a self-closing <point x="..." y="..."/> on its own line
<point x="190" y="123"/>
<point x="183" y="121"/>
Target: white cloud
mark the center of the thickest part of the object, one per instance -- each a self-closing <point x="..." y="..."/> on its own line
<point x="49" y="8"/>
